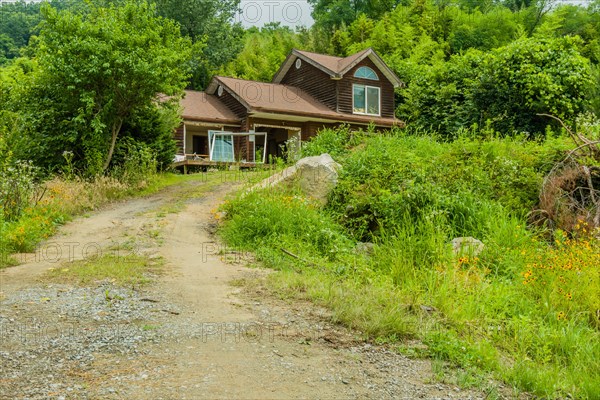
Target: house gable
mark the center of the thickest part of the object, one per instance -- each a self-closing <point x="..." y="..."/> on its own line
<point x="228" y="97"/>
<point x="336" y="67"/>
<point x="345" y="89"/>
<point x="330" y="79"/>
<point x="313" y="81"/>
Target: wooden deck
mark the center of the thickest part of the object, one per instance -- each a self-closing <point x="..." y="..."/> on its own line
<point x="205" y="164"/>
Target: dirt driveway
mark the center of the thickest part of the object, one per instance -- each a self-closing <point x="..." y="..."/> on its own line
<point x="204" y="328"/>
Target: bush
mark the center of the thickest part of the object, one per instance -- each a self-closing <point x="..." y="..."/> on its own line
<point x="279" y="218"/>
<point x="504" y="89"/>
<point x="136" y="162"/>
<point x="17" y="189"/>
<point x="336" y="142"/>
<point x="18" y="177"/>
<point x="462" y="184"/>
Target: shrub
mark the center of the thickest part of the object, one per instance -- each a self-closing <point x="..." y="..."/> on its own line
<point x="279" y="218"/>
<point x="137" y="162"/>
<point x="462" y="184"/>
<point x="336" y="142"/>
<point x="17" y="188"/>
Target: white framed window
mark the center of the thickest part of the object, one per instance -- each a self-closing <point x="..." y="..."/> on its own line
<point x="221" y="146"/>
<point x="366" y="73"/>
<point x="366" y="100"/>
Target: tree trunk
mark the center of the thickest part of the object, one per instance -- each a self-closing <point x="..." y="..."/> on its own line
<point x="116" y="128"/>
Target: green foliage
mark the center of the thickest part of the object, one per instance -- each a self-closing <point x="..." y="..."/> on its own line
<point x="334" y="13"/>
<point x="16" y="188"/>
<point x="207" y="24"/>
<point x="153" y="127"/>
<point x="18" y="177"/>
<point x="297" y="222"/>
<point x="533" y="76"/>
<point x="95" y="72"/>
<point x="17" y="23"/>
<point x="503" y="90"/>
<point x="523" y="310"/>
<point x="483" y="31"/>
<point x="335" y="142"/>
<point x="263" y="52"/>
<point x="459" y="185"/>
<point x="138" y="162"/>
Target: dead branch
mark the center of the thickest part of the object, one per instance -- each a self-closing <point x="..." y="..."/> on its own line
<point x="580" y="140"/>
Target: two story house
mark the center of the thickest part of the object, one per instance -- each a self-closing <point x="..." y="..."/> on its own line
<point x="248" y="121"/>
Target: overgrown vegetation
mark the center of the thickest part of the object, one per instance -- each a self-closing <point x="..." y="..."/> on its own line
<point x="525" y="309"/>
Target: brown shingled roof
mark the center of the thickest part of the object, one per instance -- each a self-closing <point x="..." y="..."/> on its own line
<point x="335" y="64"/>
<point x="204" y="107"/>
<point x="288" y="100"/>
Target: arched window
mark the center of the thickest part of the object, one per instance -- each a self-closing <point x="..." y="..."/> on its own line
<point x="366" y="73"/>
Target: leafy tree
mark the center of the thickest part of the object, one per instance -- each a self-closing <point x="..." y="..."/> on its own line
<point x="154" y="127"/>
<point x="17" y="22"/>
<point x="96" y="71"/>
<point x="438" y="96"/>
<point x="209" y="23"/>
<point x="593" y="91"/>
<point x="331" y="14"/>
<point x="8" y="50"/>
<point x="503" y="89"/>
<point x="482" y="31"/>
<point x="264" y="51"/>
<point x="533" y="76"/>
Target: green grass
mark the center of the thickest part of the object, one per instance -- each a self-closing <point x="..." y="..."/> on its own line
<point x="124" y="270"/>
<point x="523" y="311"/>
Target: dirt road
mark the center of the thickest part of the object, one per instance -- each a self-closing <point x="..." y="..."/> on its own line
<point x="203" y="329"/>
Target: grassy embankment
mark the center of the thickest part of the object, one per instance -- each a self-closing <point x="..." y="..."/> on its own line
<point x="525" y="310"/>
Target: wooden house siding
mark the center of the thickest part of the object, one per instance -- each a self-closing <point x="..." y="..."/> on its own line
<point x="387" y="106"/>
<point x="179" y="139"/>
<point x="233" y="104"/>
<point x="258" y="122"/>
<point x="314" y="82"/>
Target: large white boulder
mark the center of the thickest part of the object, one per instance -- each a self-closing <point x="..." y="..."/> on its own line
<point x="316" y="176"/>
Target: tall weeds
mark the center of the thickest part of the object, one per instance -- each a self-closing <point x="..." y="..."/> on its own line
<point x="525" y="309"/>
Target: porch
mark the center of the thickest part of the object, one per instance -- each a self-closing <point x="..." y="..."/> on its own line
<point x="208" y="145"/>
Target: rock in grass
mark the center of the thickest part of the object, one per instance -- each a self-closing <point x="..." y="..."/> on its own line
<point x="316" y="176"/>
<point x="468" y="246"/>
<point x="365" y="248"/>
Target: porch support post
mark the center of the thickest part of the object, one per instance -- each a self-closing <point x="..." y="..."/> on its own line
<point x="265" y="149"/>
<point x="184" y="141"/>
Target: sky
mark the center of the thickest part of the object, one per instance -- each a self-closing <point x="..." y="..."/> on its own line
<point x="292" y="13"/>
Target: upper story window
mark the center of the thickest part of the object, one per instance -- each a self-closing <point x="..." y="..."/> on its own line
<point x="366" y="100"/>
<point x="366" y="73"/>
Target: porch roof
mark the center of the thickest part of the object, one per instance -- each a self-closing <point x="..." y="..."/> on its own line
<point x="201" y="106"/>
